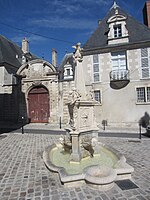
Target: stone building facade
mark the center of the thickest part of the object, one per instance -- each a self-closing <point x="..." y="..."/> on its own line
<point x="40" y="89"/>
<point x="116" y="64"/>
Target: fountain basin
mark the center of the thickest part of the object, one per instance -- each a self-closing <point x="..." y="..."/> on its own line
<point x="100" y="177"/>
<point x="73" y="174"/>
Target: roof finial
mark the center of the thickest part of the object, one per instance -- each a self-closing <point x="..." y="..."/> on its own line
<point x="115" y="4"/>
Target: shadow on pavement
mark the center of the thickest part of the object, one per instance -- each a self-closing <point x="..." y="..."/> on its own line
<point x="146" y="135"/>
<point x="2" y="136"/>
<point x="9" y="127"/>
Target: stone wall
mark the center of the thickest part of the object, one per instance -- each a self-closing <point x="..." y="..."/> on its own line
<point x="118" y="107"/>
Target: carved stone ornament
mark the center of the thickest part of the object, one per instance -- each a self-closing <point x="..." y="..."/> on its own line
<point x="36" y="83"/>
<point x="73" y="97"/>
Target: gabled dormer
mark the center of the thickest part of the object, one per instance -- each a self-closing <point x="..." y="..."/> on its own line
<point x="118" y="32"/>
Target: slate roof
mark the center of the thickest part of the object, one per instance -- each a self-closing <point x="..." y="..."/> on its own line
<point x="11" y="53"/>
<point x="137" y="32"/>
<point x="67" y="58"/>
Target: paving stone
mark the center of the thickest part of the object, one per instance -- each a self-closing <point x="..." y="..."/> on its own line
<point x="23" y="175"/>
<point x="140" y="197"/>
<point x="98" y="198"/>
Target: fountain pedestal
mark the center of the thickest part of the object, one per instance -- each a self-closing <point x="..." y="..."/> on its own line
<point x="75" y="155"/>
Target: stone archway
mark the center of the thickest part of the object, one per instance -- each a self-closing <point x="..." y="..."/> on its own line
<point x="38" y="105"/>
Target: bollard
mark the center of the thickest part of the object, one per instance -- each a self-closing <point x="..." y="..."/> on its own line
<point x="60" y="122"/>
<point x="140" y="132"/>
<point x="22" y="128"/>
<point x="104" y="123"/>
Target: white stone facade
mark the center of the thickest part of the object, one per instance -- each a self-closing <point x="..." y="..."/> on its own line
<point x="119" y="107"/>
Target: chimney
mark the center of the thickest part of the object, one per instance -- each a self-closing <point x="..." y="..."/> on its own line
<point x="146" y="13"/>
<point x="25" y="45"/>
<point x="54" y="57"/>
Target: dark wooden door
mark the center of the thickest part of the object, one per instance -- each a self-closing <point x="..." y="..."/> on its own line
<point x="38" y="105"/>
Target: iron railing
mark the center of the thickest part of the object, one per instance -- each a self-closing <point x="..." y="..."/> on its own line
<point x="122" y="74"/>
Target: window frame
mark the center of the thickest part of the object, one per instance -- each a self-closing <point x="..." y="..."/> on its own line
<point x="142" y="58"/>
<point x="99" y="99"/>
<point x="145" y="96"/>
<point x="117" y="28"/>
<point x="96" y="68"/>
<point x="119" y="65"/>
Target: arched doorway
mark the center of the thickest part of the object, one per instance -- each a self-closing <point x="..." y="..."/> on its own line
<point x="38" y="105"/>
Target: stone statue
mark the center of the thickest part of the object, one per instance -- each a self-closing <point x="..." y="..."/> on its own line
<point x="72" y="98"/>
<point x="77" y="54"/>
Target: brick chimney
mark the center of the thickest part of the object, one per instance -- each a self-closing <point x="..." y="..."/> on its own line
<point x="146" y="13"/>
<point x="25" y="45"/>
<point x="54" y="57"/>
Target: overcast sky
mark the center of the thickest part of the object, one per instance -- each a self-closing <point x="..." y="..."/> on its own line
<point x="62" y="23"/>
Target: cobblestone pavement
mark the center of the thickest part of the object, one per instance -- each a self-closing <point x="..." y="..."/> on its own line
<point x="23" y="175"/>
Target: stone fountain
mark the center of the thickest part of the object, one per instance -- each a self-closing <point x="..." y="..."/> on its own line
<point x="79" y="157"/>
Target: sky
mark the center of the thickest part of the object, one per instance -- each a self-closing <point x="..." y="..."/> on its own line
<point x="57" y="24"/>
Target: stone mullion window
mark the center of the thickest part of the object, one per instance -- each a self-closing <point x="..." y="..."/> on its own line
<point x="143" y="94"/>
<point x="117" y="31"/>
<point x="97" y="95"/>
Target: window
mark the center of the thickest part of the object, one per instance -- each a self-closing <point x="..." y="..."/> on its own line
<point x="68" y="72"/>
<point x="96" y="68"/>
<point x="9" y="79"/>
<point x="143" y="94"/>
<point x="119" y="65"/>
<point x="97" y="95"/>
<point x="117" y="31"/>
<point x="148" y="94"/>
<point x="145" y="63"/>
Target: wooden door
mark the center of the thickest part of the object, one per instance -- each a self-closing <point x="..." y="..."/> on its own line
<point x="38" y="105"/>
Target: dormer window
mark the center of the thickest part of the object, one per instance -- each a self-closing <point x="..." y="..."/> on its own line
<point x="117" y="31"/>
<point x="68" y="72"/>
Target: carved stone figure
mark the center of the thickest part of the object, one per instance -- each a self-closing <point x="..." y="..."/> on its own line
<point x="72" y="98"/>
<point x="77" y="54"/>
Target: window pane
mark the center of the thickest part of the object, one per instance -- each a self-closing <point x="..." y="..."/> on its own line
<point x="95" y="58"/>
<point x="118" y="60"/>
<point x="115" y="63"/>
<point x="96" y="77"/>
<point x="148" y="94"/>
<point x="117" y="30"/>
<point x="96" y="67"/>
<point x="97" y="96"/>
<point x="68" y="72"/>
<point x="140" y="94"/>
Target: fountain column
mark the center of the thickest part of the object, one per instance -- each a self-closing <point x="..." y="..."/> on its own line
<point x="81" y="107"/>
<point x="76" y="155"/>
<point x="80" y="81"/>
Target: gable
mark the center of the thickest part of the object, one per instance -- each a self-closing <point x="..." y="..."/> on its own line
<point x="99" y="39"/>
<point x="36" y="69"/>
